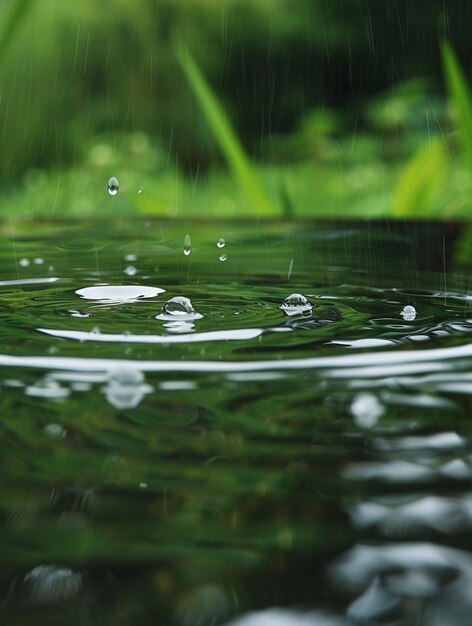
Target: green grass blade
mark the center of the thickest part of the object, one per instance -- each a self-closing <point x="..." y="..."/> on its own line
<point x="12" y="22"/>
<point x="421" y="181"/>
<point x="227" y="140"/>
<point x="461" y="99"/>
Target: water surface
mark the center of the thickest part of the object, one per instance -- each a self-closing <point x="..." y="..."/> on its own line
<point x="279" y="436"/>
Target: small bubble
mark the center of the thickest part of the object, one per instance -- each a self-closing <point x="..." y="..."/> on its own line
<point x="130" y="257"/>
<point x="221" y="243"/>
<point x="408" y="313"/>
<point x="113" y="186"/>
<point x="296" y="304"/>
<point x="24" y="262"/>
<point x="187" y="245"/>
<point x="222" y="257"/>
<point x="366" y="410"/>
<point x="130" y="270"/>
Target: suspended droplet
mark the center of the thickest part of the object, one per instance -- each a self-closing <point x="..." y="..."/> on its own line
<point x="222" y="257"/>
<point x="296" y="304"/>
<point x="221" y="243"/>
<point x="187" y="245"/>
<point x="408" y="313"/>
<point x="113" y="186"/>
<point x="126" y="388"/>
<point x="130" y="270"/>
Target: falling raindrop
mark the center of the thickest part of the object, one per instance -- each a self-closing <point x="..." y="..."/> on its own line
<point x="222" y="257"/>
<point x="187" y="245"/>
<point x="130" y="270"/>
<point x="220" y="243"/>
<point x="296" y="304"/>
<point x="408" y="313"/>
<point x="113" y="186"/>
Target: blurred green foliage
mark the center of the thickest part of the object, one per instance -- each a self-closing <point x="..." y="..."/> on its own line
<point x="340" y="93"/>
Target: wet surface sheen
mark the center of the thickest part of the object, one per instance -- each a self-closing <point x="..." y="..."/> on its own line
<point x="282" y="438"/>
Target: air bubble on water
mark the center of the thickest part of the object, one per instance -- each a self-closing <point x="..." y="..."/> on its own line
<point x="23" y="262"/>
<point x="38" y="261"/>
<point x="113" y="186"/>
<point x="408" y="313"/>
<point x="178" y="307"/>
<point x="187" y="245"/>
<point x="126" y="388"/>
<point x="220" y="243"/>
<point x="296" y="304"/>
<point x="222" y="257"/>
<point x="366" y="410"/>
<point x="130" y="257"/>
<point x="130" y="270"/>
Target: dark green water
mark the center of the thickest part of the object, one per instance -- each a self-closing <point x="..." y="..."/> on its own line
<point x="241" y="463"/>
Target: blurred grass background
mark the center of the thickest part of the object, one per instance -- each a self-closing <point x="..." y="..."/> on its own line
<point x="236" y="108"/>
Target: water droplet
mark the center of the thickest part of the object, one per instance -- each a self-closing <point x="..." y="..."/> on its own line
<point x="220" y="243"/>
<point x="408" y="313"/>
<point x="140" y="190"/>
<point x="113" y="186"/>
<point x="47" y="388"/>
<point x="130" y="270"/>
<point x="130" y="257"/>
<point x="55" y="430"/>
<point x="296" y="304"/>
<point x="222" y="257"/>
<point x="143" y="485"/>
<point x="38" y="261"/>
<point x="366" y="410"/>
<point x="187" y="245"/>
<point x="23" y="262"/>
<point x="178" y="307"/>
<point x="126" y="388"/>
<point x="95" y="330"/>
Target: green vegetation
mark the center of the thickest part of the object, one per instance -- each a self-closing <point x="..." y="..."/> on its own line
<point x="253" y="113"/>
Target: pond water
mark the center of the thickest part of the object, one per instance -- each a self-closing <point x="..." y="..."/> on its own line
<point x="272" y="427"/>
